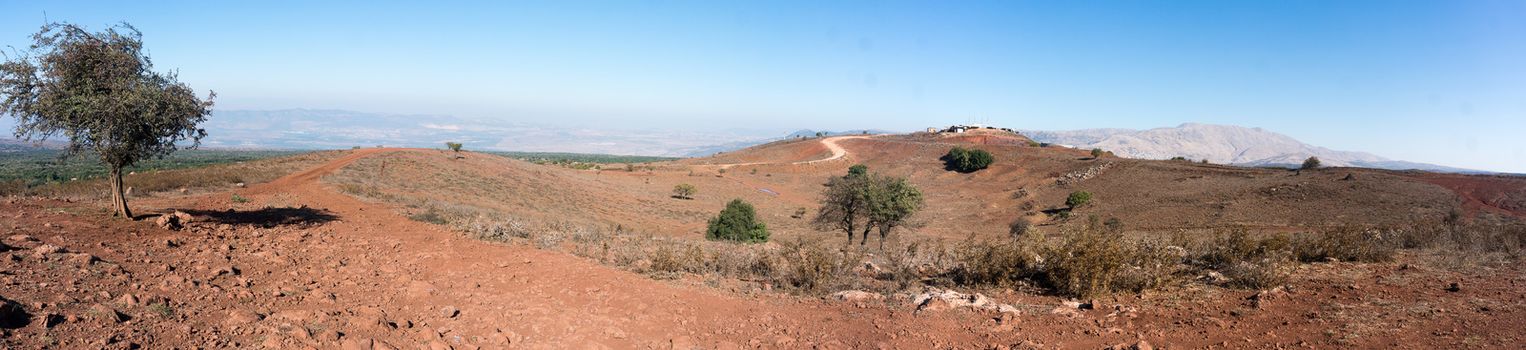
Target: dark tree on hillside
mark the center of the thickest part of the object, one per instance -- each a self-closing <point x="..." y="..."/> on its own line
<point x="1311" y="163"/>
<point x="858" y="170"/>
<point x="967" y="160"/>
<point x="99" y="90"/>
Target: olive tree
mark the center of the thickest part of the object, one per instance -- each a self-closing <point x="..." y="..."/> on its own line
<point x="100" y="91"/>
<point x="869" y="201"/>
<point x="891" y="201"/>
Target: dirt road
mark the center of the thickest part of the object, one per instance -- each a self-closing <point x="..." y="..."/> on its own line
<point x="838" y="152"/>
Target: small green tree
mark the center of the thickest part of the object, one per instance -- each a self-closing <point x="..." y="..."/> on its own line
<point x="453" y="146"/>
<point x="867" y="200"/>
<point x="1096" y="153"/>
<point x="842" y="205"/>
<point x="100" y="90"/>
<point x="967" y="160"/>
<point x="1078" y="198"/>
<point x="858" y="170"/>
<point x="738" y="223"/>
<point x="684" y="191"/>
<point x="1311" y="163"/>
<point x="891" y="201"/>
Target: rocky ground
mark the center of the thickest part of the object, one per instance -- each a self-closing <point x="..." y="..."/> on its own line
<point x="324" y="270"/>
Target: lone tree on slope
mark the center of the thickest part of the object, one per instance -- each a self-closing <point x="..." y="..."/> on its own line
<point x="1311" y="163"/>
<point x="869" y="201"/>
<point x="99" y="89"/>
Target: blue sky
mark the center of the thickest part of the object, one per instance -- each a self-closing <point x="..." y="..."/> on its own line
<point x="1432" y="81"/>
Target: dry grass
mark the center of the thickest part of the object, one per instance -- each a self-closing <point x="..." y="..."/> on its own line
<point x="1089" y="260"/>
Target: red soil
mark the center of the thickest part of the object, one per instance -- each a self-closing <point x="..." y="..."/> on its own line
<point x="326" y="270"/>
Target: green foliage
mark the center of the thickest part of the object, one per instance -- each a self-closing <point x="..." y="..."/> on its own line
<point x="453" y="146"/>
<point x="1078" y="199"/>
<point x="868" y="201"/>
<point x="891" y="201"/>
<point x="858" y="170"/>
<point x="684" y="191"/>
<point x="1311" y="163"/>
<point x="240" y="199"/>
<point x="967" y="160"/>
<point x="99" y="90"/>
<point x="1096" y="153"/>
<point x="738" y="222"/>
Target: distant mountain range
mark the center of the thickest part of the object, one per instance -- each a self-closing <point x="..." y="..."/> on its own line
<point x="1222" y="144"/>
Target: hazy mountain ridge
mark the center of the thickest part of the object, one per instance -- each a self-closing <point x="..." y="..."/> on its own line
<point x="1222" y="144"/>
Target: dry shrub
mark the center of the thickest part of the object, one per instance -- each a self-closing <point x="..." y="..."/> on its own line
<point x="1237" y="245"/>
<point x="1345" y="244"/>
<point x="912" y="262"/>
<point x="1000" y="263"/>
<point x="813" y="266"/>
<point x="1086" y="262"/>
<point x="1269" y="271"/>
<point x="677" y="258"/>
<point x="1152" y="264"/>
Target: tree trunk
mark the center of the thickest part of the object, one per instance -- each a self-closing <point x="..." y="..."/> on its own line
<point x="866" y="235"/>
<point x="118" y="196"/>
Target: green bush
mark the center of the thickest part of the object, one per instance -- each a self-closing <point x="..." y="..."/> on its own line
<point x="1096" y="153"/>
<point x="1078" y="198"/>
<point x="738" y="223"/>
<point x="858" y="170"/>
<point x="684" y="191"/>
<point x="1311" y="163"/>
<point x="967" y="160"/>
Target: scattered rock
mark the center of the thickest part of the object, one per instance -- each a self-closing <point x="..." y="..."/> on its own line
<point x="239" y="185"/>
<point x="1261" y="298"/>
<point x="127" y="300"/>
<point x="858" y="296"/>
<point x="82" y="259"/>
<point x="103" y="312"/>
<point x="46" y="249"/>
<point x="1214" y="277"/>
<point x="1454" y="287"/>
<point x="242" y="317"/>
<point x="948" y="299"/>
<point x="49" y="320"/>
<point x="449" y="312"/>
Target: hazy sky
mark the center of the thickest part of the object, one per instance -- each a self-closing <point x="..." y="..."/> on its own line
<point x="1432" y="81"/>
